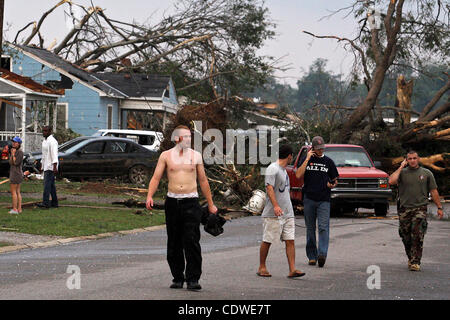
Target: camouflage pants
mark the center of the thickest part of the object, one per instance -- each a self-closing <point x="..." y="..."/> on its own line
<point x="412" y="228"/>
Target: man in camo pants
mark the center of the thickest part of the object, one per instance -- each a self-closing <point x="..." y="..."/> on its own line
<point x="414" y="184"/>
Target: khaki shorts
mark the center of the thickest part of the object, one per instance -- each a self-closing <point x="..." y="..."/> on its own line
<point x="278" y="229"/>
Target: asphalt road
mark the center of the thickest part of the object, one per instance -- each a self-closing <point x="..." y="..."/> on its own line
<point x="133" y="267"/>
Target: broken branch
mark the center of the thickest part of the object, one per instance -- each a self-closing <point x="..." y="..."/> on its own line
<point x="39" y="24"/>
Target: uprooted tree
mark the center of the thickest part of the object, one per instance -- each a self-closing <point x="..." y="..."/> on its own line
<point x="208" y="47"/>
<point x="233" y="180"/>
<point x="395" y="35"/>
<point x="401" y="33"/>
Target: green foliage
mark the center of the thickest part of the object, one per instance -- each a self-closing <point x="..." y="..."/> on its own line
<point x="426" y="84"/>
<point x="321" y="87"/>
<point x="227" y="62"/>
<point x="383" y="146"/>
<point x="318" y="86"/>
<point x="64" y="135"/>
<point x="250" y="26"/>
<point x="424" y="36"/>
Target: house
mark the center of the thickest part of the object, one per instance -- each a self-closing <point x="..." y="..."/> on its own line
<point x="93" y="101"/>
<point x="21" y="99"/>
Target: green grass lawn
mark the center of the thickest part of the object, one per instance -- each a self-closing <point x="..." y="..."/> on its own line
<point x="72" y="222"/>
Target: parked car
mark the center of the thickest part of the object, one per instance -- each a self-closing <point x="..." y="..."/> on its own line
<point x="149" y="139"/>
<point x="360" y="183"/>
<point x="103" y="157"/>
<point x="33" y="164"/>
<point x="4" y="161"/>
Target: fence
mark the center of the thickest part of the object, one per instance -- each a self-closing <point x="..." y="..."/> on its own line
<point x="33" y="140"/>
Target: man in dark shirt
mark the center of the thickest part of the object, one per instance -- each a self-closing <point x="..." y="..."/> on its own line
<point x="320" y="176"/>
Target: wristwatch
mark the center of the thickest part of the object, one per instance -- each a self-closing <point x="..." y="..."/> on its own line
<point x="440" y="208"/>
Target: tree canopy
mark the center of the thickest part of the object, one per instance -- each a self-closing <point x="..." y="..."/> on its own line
<point x="209" y="47"/>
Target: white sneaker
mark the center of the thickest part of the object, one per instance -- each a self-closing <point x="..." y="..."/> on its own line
<point x="12" y="211"/>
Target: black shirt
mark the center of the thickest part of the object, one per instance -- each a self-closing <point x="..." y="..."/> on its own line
<point x="319" y="171"/>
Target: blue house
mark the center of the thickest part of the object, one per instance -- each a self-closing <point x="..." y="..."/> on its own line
<point x="93" y="101"/>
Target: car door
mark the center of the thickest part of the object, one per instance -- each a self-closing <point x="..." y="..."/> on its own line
<point x="115" y="157"/>
<point x="85" y="161"/>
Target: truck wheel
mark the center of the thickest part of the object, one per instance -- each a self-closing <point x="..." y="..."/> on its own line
<point x="381" y="209"/>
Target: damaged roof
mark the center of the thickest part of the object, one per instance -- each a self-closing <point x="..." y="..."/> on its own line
<point x="136" y="84"/>
<point x="27" y="82"/>
<point x="113" y="84"/>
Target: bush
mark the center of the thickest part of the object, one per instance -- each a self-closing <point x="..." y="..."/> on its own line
<point x="64" y="135"/>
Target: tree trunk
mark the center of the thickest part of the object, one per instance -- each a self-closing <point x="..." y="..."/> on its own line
<point x="369" y="102"/>
<point x="436" y="162"/>
<point x="384" y="57"/>
<point x="404" y="92"/>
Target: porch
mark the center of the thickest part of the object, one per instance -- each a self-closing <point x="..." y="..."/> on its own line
<point x="25" y="106"/>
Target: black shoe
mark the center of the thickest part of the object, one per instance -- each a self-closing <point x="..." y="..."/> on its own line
<point x="194" y="285"/>
<point x="321" y="261"/>
<point x="55" y="206"/>
<point x="177" y="285"/>
<point x="42" y="206"/>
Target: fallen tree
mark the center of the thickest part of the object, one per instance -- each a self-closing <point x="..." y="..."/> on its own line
<point x="439" y="163"/>
<point x="391" y="34"/>
<point x="203" y="44"/>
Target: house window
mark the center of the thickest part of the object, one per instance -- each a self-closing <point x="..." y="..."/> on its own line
<point x="62" y="116"/>
<point x="110" y="113"/>
<point x="6" y="63"/>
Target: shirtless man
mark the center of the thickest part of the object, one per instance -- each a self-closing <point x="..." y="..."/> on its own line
<point x="183" y="213"/>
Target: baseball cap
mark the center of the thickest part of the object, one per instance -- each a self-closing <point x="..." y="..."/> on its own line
<point x="17" y="139"/>
<point x="317" y="143"/>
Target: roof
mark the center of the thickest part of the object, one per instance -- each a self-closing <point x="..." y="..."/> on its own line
<point x="28" y="83"/>
<point x="136" y="84"/>
<point x="53" y="60"/>
<point x="112" y="84"/>
<point x="127" y="131"/>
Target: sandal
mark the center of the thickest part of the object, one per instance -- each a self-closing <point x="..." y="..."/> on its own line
<point x="264" y="274"/>
<point x="296" y="274"/>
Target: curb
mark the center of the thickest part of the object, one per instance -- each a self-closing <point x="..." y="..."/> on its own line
<point x="53" y="243"/>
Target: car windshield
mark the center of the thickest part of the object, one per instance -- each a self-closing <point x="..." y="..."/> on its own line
<point x="348" y="157"/>
<point x="77" y="145"/>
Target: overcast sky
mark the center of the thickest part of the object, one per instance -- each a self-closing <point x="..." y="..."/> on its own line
<point x="297" y="49"/>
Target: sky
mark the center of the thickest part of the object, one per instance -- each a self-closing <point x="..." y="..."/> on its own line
<point x="295" y="49"/>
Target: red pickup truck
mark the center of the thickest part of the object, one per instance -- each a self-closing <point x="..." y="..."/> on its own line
<point x="360" y="183"/>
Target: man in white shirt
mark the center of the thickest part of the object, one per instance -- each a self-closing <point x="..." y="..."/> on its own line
<point x="278" y="213"/>
<point x="49" y="165"/>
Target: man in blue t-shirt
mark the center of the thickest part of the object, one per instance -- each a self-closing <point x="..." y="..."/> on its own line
<point x="320" y="176"/>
